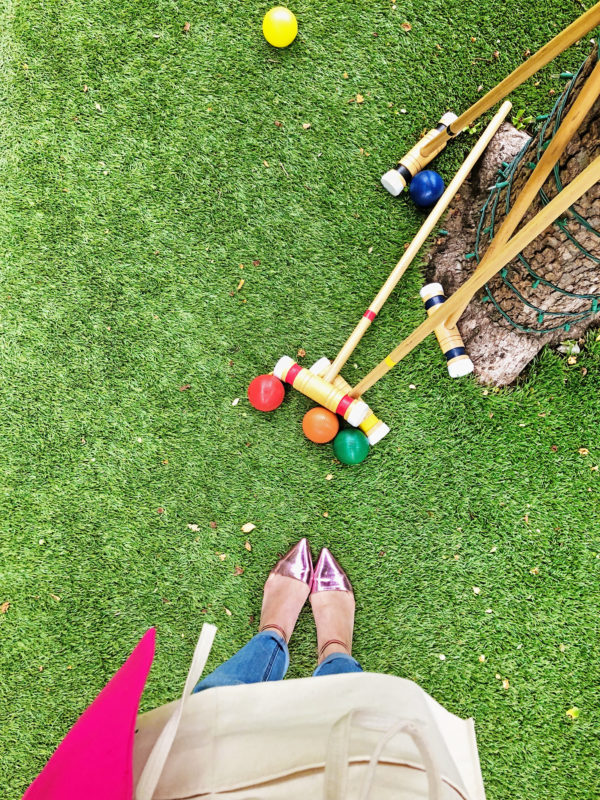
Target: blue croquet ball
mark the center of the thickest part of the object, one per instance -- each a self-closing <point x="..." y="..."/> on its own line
<point x="351" y="446"/>
<point x="426" y="188"/>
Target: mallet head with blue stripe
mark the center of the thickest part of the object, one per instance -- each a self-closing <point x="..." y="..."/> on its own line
<point x="397" y="179"/>
<point x="450" y="340"/>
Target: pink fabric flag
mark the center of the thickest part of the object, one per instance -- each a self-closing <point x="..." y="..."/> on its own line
<point x="94" y="760"/>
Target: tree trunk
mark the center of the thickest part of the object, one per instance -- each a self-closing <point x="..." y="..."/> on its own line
<point x="567" y="257"/>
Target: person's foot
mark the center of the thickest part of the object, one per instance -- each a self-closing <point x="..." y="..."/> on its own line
<point x="286" y="590"/>
<point x="332" y="601"/>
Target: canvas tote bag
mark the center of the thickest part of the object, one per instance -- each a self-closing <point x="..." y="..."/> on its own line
<point x="357" y="736"/>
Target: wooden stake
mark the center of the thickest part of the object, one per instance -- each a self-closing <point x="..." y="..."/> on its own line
<point x="455" y="305"/>
<point x="416" y="244"/>
<point x="582" y="26"/>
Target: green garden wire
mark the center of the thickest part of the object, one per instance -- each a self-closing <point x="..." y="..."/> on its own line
<point x="550" y="124"/>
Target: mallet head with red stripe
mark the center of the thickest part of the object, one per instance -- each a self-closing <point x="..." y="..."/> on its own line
<point x="325" y="394"/>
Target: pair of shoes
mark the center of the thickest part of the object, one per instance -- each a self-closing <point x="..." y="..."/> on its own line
<point x="326" y="576"/>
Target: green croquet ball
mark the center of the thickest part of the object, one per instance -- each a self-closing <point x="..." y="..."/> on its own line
<point x="351" y="446"/>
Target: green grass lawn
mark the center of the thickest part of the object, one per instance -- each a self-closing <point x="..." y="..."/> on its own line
<point x="141" y="168"/>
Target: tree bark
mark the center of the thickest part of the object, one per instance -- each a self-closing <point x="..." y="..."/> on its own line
<point x="498" y="349"/>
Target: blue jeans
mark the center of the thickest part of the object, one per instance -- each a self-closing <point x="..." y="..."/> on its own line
<point x="266" y="658"/>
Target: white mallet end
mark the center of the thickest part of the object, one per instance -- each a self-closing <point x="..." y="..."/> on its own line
<point x="377" y="433"/>
<point x="431" y="290"/>
<point x="460" y="367"/>
<point x="282" y="366"/>
<point x="358" y="413"/>
<point x="448" y="118"/>
<point x="393" y="182"/>
<point x="320" y="367"/>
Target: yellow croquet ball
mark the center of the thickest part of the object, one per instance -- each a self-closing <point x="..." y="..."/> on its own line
<point x="280" y="26"/>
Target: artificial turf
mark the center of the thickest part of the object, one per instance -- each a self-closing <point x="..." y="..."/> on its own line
<point x="141" y="168"/>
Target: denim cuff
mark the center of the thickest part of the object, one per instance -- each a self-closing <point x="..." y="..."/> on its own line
<point x="336" y="664"/>
<point x="277" y="639"/>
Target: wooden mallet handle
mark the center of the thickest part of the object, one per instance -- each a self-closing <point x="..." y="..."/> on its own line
<point x="557" y="145"/>
<point x="571" y="123"/>
<point x="582" y="26"/>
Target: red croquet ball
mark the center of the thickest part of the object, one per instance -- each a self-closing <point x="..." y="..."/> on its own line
<point x="266" y="392"/>
<point x="320" y="425"/>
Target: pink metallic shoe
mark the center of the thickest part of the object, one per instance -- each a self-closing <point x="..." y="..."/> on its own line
<point x="329" y="576"/>
<point x="297" y="564"/>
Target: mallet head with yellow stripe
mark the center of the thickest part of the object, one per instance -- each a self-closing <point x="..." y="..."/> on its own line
<point x="450" y="340"/>
<point x="373" y="428"/>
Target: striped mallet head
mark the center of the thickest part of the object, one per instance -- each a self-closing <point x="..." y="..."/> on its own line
<point x="450" y="340"/>
<point x="325" y="394"/>
<point x="397" y="179"/>
<point x="373" y="428"/>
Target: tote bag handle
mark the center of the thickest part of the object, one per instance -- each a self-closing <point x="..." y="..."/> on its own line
<point x="336" y="765"/>
<point x="158" y="755"/>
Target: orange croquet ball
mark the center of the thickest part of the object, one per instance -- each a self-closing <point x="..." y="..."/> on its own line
<point x="320" y="425"/>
